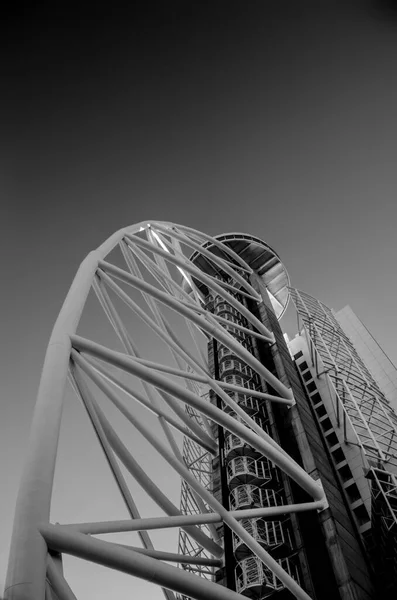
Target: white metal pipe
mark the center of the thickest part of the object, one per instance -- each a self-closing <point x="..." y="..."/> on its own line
<point x="209" y="281"/>
<point x="120" y="329"/>
<point x="213" y="384"/>
<point x="84" y="393"/>
<point x="163" y="322"/>
<point x="219" y="262"/>
<point x="112" y="357"/>
<point x="115" y="557"/>
<point x="160" y="276"/>
<point x="177" y="558"/>
<point x="150" y="265"/>
<point x="250" y="294"/>
<point x="208" y="445"/>
<point x="217" y="332"/>
<point x="204" y="440"/>
<point x="85" y="396"/>
<point x="242" y="328"/>
<point x="255" y="393"/>
<point x="274" y="454"/>
<point x="159" y="240"/>
<point x="101" y="527"/>
<point x="208" y="238"/>
<point x="148" y="320"/>
<point x="149" y="486"/>
<point x="207" y="497"/>
<point x="194" y="377"/>
<point x="170" y="339"/>
<point x="28" y="554"/>
<point x="104" y="387"/>
<point x="184" y="472"/>
<point x="58" y="582"/>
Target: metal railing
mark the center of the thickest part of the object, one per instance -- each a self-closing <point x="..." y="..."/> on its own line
<point x="250" y="468"/>
<point x="252" y="573"/>
<point x="251" y="496"/>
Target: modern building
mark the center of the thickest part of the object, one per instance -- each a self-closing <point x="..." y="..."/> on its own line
<point x="342" y="430"/>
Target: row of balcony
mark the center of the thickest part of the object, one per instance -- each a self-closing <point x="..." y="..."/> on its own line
<point x="246" y="470"/>
<point x="238" y="380"/>
<point x="227" y="309"/>
<point x="273" y="536"/>
<point x="255" y="580"/>
<point x="219" y="300"/>
<point x="235" y="446"/>
<point x="235" y="332"/>
<point x="250" y="404"/>
<point x="252" y="496"/>
<point x="240" y="368"/>
<point x="251" y="477"/>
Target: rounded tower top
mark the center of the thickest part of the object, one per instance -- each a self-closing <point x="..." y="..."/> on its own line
<point x="259" y="256"/>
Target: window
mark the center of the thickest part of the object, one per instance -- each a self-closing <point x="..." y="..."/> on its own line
<point x="311" y="387"/>
<point x="338" y="455"/>
<point x="303" y="366"/>
<point x="345" y="473"/>
<point x="316" y="398"/>
<point x="361" y="514"/>
<point x="326" y="424"/>
<point x="321" y="410"/>
<point x="332" y="439"/>
<point x="306" y="376"/>
<point x="298" y="355"/>
<point x="353" y="493"/>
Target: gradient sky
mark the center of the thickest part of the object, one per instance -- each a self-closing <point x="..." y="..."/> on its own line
<point x="219" y="115"/>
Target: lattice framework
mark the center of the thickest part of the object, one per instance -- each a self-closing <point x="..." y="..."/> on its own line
<point x="154" y="261"/>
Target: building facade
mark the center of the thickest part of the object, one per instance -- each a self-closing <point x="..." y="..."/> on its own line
<point x="376" y="360"/>
<point x="341" y="430"/>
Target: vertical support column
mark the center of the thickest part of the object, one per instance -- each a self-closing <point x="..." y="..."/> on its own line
<point x="28" y="556"/>
<point x="26" y="574"/>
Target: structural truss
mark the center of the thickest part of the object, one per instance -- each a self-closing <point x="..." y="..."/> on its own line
<point x="145" y="268"/>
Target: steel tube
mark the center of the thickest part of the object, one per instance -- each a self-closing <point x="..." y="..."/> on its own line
<point x="227" y="267"/>
<point x="101" y="527"/>
<point x="28" y="554"/>
<point x="58" y="582"/>
<point x="218" y="333"/>
<point x="184" y="472"/>
<point x="209" y="281"/>
<point x="139" y="565"/>
<point x="275" y="454"/>
<point x="208" y="238"/>
<point x="198" y="435"/>
<point x="149" y="486"/>
<point x="250" y="292"/>
<point x="176" y="558"/>
<point x="208" y="445"/>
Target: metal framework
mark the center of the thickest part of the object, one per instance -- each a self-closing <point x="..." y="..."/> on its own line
<point x="149" y="283"/>
<point x="359" y="401"/>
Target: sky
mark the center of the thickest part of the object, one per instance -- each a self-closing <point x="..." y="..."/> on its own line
<point x="274" y="120"/>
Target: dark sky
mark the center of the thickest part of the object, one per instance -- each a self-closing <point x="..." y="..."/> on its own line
<point x="271" y="118"/>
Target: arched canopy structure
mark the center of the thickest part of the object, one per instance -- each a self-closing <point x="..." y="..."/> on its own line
<point x="140" y="269"/>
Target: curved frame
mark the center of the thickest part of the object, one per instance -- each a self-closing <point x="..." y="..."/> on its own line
<point x="68" y="353"/>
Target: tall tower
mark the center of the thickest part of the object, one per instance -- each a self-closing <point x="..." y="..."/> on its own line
<point x="288" y="483"/>
<point x="241" y="477"/>
<point x="310" y="547"/>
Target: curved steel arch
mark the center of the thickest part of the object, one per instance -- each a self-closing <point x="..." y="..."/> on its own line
<point x="147" y="248"/>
